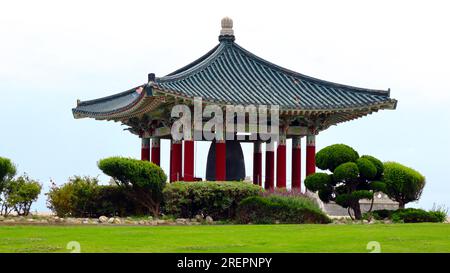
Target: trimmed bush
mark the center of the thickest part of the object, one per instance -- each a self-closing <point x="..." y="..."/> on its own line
<point x="280" y="209"/>
<point x="412" y="215"/>
<point x="84" y="197"/>
<point x="347" y="172"/>
<point x="366" y="168"/>
<point x="402" y="184"/>
<point x="334" y="155"/>
<point x="377" y="163"/>
<point x="143" y="181"/>
<point x="318" y="181"/>
<point x="216" y="199"/>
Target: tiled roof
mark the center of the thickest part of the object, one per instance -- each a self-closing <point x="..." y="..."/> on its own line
<point x="110" y="104"/>
<point x="230" y="74"/>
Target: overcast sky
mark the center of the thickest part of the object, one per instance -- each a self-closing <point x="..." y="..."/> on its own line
<point x="55" y="52"/>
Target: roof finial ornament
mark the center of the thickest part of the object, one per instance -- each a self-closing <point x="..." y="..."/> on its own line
<point x="226" y="33"/>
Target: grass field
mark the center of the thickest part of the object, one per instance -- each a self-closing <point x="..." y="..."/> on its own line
<point x="228" y="238"/>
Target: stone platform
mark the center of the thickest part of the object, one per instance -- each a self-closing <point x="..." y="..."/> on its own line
<point x="332" y="209"/>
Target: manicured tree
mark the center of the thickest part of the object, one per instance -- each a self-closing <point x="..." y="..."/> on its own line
<point x="352" y="177"/>
<point x="402" y="184"/>
<point x="7" y="172"/>
<point x="143" y="180"/>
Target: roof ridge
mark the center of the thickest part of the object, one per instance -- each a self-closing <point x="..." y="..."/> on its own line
<point x="195" y="66"/>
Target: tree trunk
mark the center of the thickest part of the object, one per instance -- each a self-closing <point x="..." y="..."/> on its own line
<point x="349" y="213"/>
<point x="357" y="211"/>
<point x="371" y="203"/>
<point x="401" y="205"/>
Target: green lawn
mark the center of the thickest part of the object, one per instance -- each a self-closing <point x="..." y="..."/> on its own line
<point x="228" y="238"/>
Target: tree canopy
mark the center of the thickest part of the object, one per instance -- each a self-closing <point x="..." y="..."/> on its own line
<point x="143" y="180"/>
<point x="352" y="177"/>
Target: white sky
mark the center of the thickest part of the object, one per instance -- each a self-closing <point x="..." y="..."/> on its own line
<point x="54" y="52"/>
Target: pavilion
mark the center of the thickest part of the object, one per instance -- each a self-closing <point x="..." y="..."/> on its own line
<point x="230" y="75"/>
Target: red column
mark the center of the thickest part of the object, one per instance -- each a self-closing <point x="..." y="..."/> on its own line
<point x="171" y="162"/>
<point x="310" y="154"/>
<point x="268" y="184"/>
<point x="221" y="160"/>
<point x="188" y="160"/>
<point x="296" y="163"/>
<point x="281" y="162"/>
<point x="145" y="149"/>
<point x="156" y="151"/>
<point x="176" y="161"/>
<point x="257" y="163"/>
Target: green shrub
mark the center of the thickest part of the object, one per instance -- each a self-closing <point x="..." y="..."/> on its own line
<point x="382" y="214"/>
<point x="440" y="212"/>
<point x="84" y="197"/>
<point x="347" y="172"/>
<point x="280" y="209"/>
<point x="143" y="180"/>
<point x="21" y="192"/>
<point x="334" y="155"/>
<point x="7" y="170"/>
<point x="217" y="199"/>
<point x="378" y="165"/>
<point x="412" y="215"/>
<point x="317" y="181"/>
<point x="367" y="169"/>
<point x="402" y="184"/>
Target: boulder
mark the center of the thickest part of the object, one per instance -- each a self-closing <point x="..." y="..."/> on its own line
<point x="209" y="219"/>
<point x="199" y="218"/>
<point x="117" y="220"/>
<point x="103" y="219"/>
<point x="111" y="220"/>
<point x="160" y="222"/>
<point x="58" y="219"/>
